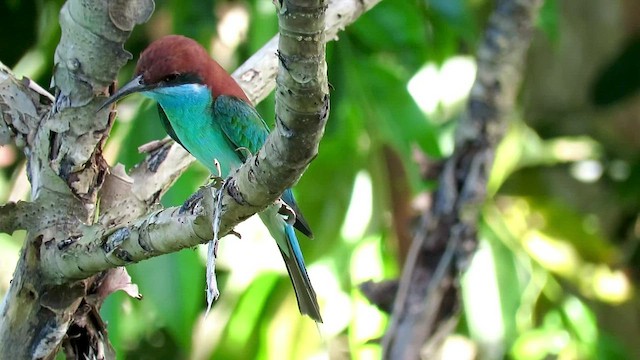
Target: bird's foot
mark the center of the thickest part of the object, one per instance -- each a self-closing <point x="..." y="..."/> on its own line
<point x="245" y="151"/>
<point x="287" y="212"/>
<point x="216" y="180"/>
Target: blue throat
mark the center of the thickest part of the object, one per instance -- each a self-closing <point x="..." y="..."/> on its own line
<point x="189" y="110"/>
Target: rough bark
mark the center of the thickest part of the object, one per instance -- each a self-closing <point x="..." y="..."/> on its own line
<point x="427" y="300"/>
<point x="63" y="143"/>
<point x="86" y="218"/>
<point x="257" y="73"/>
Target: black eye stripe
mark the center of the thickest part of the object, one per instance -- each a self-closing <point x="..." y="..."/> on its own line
<point x="180" y="79"/>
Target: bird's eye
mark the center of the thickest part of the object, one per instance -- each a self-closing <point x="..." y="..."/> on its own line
<point x="170" y="78"/>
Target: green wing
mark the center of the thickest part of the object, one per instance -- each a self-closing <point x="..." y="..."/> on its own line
<point x="167" y="126"/>
<point x="246" y="130"/>
<point x="241" y="123"/>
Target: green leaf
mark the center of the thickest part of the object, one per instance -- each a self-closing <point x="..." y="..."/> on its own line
<point x="241" y="336"/>
<point x="548" y="19"/>
<point x="394" y="28"/>
<point x="620" y="79"/>
<point x="173" y="289"/>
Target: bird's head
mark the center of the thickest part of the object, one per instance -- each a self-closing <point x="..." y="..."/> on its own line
<point x="173" y="61"/>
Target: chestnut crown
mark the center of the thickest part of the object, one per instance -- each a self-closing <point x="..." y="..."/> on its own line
<point x="174" y="60"/>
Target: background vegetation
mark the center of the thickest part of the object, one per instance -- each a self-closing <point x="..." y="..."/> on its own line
<point x="556" y="270"/>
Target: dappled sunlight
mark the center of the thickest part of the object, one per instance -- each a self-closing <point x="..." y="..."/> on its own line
<point x="552" y="274"/>
<point x="438" y="90"/>
<point x="561" y="257"/>
<point x="233" y="25"/>
<point x="245" y="258"/>
<point x="568" y="332"/>
<point x="587" y="171"/>
<point x="522" y="147"/>
<point x="232" y="28"/>
<point x="555" y="255"/>
<point x="457" y="347"/>
<point x="335" y="303"/>
<point x="9" y="252"/>
<point x="254" y="252"/>
<point x="208" y="330"/>
<point x="366" y="260"/>
<point x="341" y="310"/>
<point x="368" y="322"/>
<point x="612" y="286"/>
<point x="509" y="155"/>
<point x="360" y="208"/>
<point x="481" y="298"/>
<point x="32" y="64"/>
<point x="574" y="148"/>
<point x="535" y="280"/>
<point x="537" y="344"/>
<point x="291" y="336"/>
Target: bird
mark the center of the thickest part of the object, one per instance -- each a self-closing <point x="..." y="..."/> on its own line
<point x="205" y="110"/>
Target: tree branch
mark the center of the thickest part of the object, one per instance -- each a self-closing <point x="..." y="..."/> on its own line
<point x="428" y="291"/>
<point x="21" y="109"/>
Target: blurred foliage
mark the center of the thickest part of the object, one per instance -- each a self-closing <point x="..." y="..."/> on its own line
<point x="555" y="273"/>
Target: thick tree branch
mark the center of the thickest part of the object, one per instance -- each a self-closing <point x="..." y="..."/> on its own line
<point x="20" y="215"/>
<point x="428" y="296"/>
<point x="21" y="109"/>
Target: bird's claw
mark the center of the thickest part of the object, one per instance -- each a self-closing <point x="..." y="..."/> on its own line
<point x="286" y="211"/>
<point x="244" y="150"/>
<point x="215" y="181"/>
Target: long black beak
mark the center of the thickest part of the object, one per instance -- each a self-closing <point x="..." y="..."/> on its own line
<point x="135" y="85"/>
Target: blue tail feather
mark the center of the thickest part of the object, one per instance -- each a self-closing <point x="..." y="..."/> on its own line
<point x="285" y="236"/>
<point x="305" y="294"/>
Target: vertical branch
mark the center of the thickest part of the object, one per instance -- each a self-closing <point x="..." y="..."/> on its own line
<point x="302" y="91"/>
<point x="428" y="292"/>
